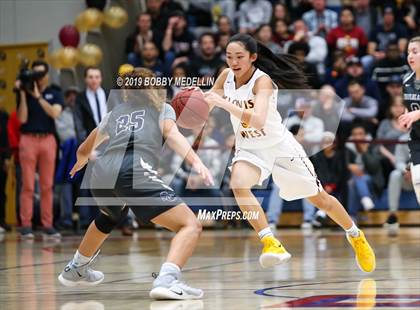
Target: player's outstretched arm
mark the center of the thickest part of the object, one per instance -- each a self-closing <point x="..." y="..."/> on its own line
<point x="181" y="146"/>
<point x="95" y="138"/>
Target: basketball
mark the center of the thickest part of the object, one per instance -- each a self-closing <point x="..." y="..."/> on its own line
<point x="191" y="108"/>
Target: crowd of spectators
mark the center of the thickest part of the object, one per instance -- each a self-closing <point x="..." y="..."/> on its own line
<point x="355" y="49"/>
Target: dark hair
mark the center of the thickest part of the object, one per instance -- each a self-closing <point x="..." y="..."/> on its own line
<point x="284" y="70"/>
<point x="356" y="82"/>
<point x="209" y="34"/>
<point x="182" y="66"/>
<point x="347" y="8"/>
<point x="358" y="123"/>
<point x="85" y="72"/>
<point x="43" y="63"/>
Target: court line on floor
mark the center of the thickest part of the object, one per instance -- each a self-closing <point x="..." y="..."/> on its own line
<point x="187" y="270"/>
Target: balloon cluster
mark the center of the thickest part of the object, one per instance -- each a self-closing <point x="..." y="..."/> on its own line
<point x="92" y="18"/>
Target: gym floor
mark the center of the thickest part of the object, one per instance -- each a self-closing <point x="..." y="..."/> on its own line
<point x="321" y="274"/>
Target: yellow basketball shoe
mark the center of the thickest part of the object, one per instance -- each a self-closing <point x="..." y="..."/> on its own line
<point x="365" y="257"/>
<point x="273" y="252"/>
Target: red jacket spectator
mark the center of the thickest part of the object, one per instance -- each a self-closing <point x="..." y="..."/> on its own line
<point x="347" y="37"/>
<point x="13" y="133"/>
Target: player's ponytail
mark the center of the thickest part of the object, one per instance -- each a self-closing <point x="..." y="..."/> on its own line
<point x="285" y="70"/>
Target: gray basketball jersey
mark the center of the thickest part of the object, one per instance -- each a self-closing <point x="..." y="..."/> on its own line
<point x="411" y="90"/>
<point x="135" y="139"/>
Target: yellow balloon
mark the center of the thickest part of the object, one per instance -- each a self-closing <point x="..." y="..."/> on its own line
<point x="115" y="17"/>
<point x="90" y="55"/>
<point x="124" y="69"/>
<point x="54" y="59"/>
<point x="88" y="19"/>
<point x="68" y="57"/>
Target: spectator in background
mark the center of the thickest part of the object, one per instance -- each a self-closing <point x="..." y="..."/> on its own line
<point x="399" y="179"/>
<point x="160" y="11"/>
<point x="4" y="165"/>
<point x="13" y="134"/>
<point x="393" y="89"/>
<point x="359" y="106"/>
<point x="299" y="7"/>
<point x="328" y="108"/>
<point x="313" y="127"/>
<point x="264" y="34"/>
<point x="366" y="178"/>
<point x="393" y="65"/>
<point x="355" y="71"/>
<point x="331" y="169"/>
<point x="178" y="40"/>
<point x="390" y="32"/>
<point x="280" y="12"/>
<point x="222" y="42"/>
<point x="318" y="49"/>
<point x="410" y="10"/>
<point x="252" y="14"/>
<point x="149" y="59"/>
<point x="134" y="44"/>
<point x="68" y="147"/>
<point x="206" y="63"/>
<point x="178" y="72"/>
<point x="320" y="20"/>
<point x="224" y="26"/>
<point x="281" y="33"/>
<point x="347" y="37"/>
<point x="389" y="129"/>
<point x="187" y="182"/>
<point x="91" y="107"/>
<point x="37" y="109"/>
<point x="366" y="15"/>
<point x="337" y="69"/>
<point x="300" y="50"/>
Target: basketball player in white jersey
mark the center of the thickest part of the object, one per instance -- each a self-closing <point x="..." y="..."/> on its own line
<point x="248" y="91"/>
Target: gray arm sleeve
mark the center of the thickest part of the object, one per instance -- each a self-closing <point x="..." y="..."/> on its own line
<point x="167" y="113"/>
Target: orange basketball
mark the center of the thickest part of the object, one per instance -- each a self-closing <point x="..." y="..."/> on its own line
<point x="191" y="109"/>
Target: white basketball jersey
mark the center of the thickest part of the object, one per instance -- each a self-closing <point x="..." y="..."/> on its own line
<point x="248" y="137"/>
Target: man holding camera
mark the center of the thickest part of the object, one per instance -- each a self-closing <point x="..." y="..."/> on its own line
<point x="38" y="106"/>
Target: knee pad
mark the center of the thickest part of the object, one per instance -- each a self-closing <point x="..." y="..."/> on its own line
<point x="109" y="217"/>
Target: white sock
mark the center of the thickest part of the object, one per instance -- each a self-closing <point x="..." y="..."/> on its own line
<point x="353" y="231"/>
<point x="79" y="259"/>
<point x="367" y="203"/>
<point x="265" y="232"/>
<point x="167" y="274"/>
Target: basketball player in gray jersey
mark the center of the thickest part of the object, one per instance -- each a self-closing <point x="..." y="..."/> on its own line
<point x="411" y="119"/>
<point x="126" y="174"/>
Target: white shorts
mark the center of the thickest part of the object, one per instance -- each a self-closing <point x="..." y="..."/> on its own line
<point x="291" y="168"/>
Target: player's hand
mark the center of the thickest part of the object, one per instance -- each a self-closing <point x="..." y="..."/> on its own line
<point x="35" y="93"/>
<point x="214" y="99"/>
<point x="80" y="163"/>
<point x="407" y="119"/>
<point x="204" y="173"/>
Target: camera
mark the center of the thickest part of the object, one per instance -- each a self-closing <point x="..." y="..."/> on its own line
<point x="28" y="76"/>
